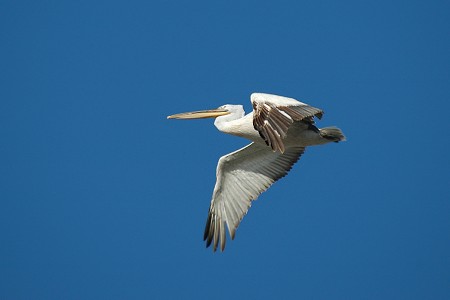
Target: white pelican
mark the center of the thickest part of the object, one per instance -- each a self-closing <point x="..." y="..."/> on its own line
<point x="280" y="128"/>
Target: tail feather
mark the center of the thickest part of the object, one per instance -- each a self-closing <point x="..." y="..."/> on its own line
<point x="333" y="134"/>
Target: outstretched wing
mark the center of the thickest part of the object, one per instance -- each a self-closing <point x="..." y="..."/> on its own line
<point x="241" y="176"/>
<point x="273" y="115"/>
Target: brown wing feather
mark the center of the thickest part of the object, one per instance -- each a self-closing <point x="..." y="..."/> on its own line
<point x="273" y="122"/>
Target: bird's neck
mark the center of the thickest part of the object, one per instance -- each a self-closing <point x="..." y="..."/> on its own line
<point x="241" y="126"/>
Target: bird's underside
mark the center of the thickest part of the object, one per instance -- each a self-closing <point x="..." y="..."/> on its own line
<point x="280" y="130"/>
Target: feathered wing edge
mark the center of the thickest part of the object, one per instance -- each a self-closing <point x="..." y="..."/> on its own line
<point x="241" y="177"/>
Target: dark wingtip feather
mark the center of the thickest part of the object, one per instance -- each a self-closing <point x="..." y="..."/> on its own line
<point x="207" y="227"/>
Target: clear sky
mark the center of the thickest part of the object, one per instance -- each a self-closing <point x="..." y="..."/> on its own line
<point x="102" y="197"/>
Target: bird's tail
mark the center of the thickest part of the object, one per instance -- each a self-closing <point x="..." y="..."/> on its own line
<point x="333" y="134"/>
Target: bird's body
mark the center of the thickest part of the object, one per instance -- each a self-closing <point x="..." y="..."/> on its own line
<point x="280" y="128"/>
<point x="297" y="134"/>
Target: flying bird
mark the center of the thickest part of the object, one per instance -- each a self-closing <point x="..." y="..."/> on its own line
<point x="279" y="129"/>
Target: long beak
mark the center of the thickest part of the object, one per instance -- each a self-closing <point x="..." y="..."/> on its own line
<point x="201" y="114"/>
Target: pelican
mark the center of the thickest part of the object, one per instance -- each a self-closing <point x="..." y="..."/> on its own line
<point x="279" y="129"/>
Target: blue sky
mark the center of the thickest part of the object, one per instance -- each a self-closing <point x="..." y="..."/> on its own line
<point x="103" y="198"/>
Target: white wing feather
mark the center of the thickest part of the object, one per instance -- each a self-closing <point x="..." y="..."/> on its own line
<point x="241" y="177"/>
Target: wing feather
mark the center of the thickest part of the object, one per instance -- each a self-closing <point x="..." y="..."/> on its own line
<point x="273" y="115"/>
<point x="241" y="177"/>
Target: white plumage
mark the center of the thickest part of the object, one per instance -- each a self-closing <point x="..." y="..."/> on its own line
<point x="280" y="128"/>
